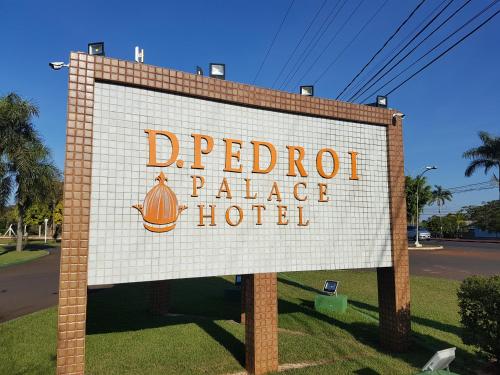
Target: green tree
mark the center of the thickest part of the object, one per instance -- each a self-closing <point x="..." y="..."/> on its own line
<point x="451" y="225"/>
<point x="424" y="196"/>
<point x="24" y="158"/>
<point x="434" y="225"/>
<point x="5" y="185"/>
<point x="57" y="218"/>
<point x="54" y="200"/>
<point x="486" y="156"/>
<point x="36" y="214"/>
<point x="457" y="224"/>
<point x="485" y="217"/>
<point x="440" y="196"/>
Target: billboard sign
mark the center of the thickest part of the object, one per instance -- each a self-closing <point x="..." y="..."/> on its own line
<point x="188" y="187"/>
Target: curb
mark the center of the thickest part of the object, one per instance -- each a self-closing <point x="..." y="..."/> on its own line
<point x="467" y="240"/>
<point x="426" y="248"/>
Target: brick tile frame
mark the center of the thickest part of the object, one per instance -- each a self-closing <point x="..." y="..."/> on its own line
<point x="84" y="71"/>
<point x="261" y="323"/>
<point x="394" y="282"/>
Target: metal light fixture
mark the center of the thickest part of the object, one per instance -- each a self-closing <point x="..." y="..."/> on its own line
<point x="56" y="65"/>
<point x="96" y="49"/>
<point x="441" y="360"/>
<point x="382" y="101"/>
<point x="218" y="70"/>
<point x="307" y="90"/>
<point x="199" y="71"/>
<point x="331" y="287"/>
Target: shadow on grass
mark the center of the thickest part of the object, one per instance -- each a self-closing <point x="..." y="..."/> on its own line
<point x="126" y="307"/>
<point x="30" y="246"/>
<point x="422" y="346"/>
<point x="298" y="285"/>
<point x="416" y="319"/>
<point x="362" y="305"/>
<point x="366" y="371"/>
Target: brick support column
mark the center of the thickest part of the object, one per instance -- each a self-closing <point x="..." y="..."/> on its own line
<point x="72" y="308"/>
<point x="160" y="297"/>
<point x="261" y="323"/>
<point x="394" y="282"/>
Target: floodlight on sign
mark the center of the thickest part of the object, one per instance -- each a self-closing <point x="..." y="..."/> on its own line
<point x="382" y="101"/>
<point x="218" y="70"/>
<point x="307" y="90"/>
<point x="96" y="49"/>
<point x="331" y="287"/>
<point x="199" y="71"/>
<point x="441" y="360"/>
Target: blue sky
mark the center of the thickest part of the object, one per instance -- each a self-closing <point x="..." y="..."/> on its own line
<point x="445" y="106"/>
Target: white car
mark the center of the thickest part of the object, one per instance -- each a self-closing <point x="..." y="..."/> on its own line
<point x="423" y="233"/>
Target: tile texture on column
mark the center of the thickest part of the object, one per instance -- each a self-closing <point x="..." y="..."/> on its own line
<point x="74" y="247"/>
<point x="394" y="282"/>
<point x="261" y="323"/>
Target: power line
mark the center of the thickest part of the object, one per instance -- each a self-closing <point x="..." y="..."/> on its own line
<point x="356" y="94"/>
<point x="444" y="52"/>
<point x="314" y="41"/>
<point x="308" y="70"/>
<point x="492" y="184"/>
<point x="351" y="42"/>
<point x="430" y="50"/>
<point x="300" y="42"/>
<point x="274" y="40"/>
<point x="414" y="48"/>
<point x="407" y="37"/>
<point x="383" y="46"/>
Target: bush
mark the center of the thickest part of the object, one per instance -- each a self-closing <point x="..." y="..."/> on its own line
<point x="479" y="302"/>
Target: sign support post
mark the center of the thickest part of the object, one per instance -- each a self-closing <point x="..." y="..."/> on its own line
<point x="261" y="323"/>
<point x="394" y="282"/>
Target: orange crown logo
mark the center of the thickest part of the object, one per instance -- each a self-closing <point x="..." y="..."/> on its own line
<point x="160" y="207"/>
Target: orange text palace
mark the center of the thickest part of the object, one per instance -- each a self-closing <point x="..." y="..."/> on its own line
<point x="203" y="145"/>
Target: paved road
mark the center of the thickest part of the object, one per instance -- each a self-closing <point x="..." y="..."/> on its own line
<point x="33" y="286"/>
<point x="29" y="287"/>
<point x="457" y="260"/>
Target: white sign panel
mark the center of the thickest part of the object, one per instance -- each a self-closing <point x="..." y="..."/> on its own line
<point x="185" y="187"/>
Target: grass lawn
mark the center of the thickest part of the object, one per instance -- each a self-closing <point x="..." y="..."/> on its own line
<point x="34" y="249"/>
<point x="123" y="338"/>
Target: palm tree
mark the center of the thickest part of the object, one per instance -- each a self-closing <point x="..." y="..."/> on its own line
<point x="25" y="162"/>
<point x="486" y="156"/>
<point x="412" y="185"/>
<point x="440" y="196"/>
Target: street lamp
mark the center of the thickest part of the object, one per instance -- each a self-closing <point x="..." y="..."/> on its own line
<point x="428" y="168"/>
<point x="45" y="221"/>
